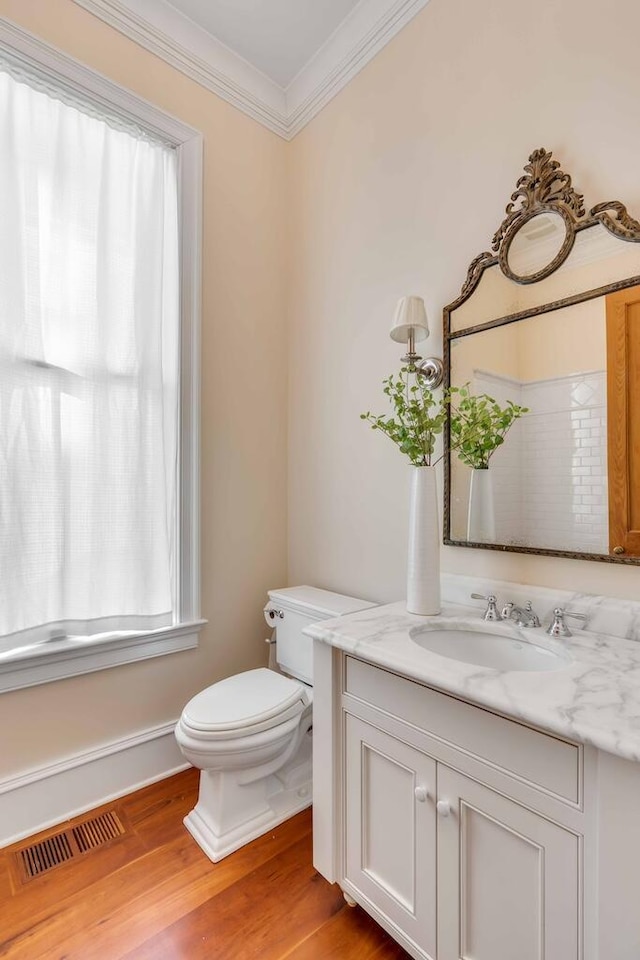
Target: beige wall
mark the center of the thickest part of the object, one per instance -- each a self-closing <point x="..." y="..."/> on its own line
<point x="244" y="410"/>
<point x="571" y="340"/>
<point x="395" y="187"/>
<point x="557" y="344"/>
<point x="392" y="189"/>
<point x="492" y="351"/>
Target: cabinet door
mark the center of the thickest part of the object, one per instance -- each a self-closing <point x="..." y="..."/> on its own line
<point x="508" y="880"/>
<point x="390" y="829"/>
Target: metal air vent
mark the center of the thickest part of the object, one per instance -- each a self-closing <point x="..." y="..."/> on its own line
<point x="38" y="858"/>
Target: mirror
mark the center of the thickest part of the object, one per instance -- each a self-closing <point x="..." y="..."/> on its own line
<point x="537" y="246"/>
<point x="550" y="321"/>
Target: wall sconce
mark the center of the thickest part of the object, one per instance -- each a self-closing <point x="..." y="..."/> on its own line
<point x="410" y="325"/>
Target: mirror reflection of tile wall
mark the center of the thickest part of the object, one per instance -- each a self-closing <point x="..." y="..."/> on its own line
<point x="550" y="477"/>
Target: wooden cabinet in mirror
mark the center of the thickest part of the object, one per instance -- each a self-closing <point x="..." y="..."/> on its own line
<point x="549" y="320"/>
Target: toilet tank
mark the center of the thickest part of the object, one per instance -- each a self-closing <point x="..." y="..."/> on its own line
<point x="292" y="609"/>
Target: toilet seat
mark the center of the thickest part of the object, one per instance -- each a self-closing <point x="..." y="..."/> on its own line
<point x="245" y="704"/>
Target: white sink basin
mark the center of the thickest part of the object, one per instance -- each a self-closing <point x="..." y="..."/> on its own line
<point x="494" y="650"/>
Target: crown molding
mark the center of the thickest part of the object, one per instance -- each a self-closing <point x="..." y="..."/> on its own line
<point x="360" y="36"/>
<point x="164" y="31"/>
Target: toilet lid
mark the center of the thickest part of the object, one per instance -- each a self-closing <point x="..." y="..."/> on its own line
<point x="244" y="700"/>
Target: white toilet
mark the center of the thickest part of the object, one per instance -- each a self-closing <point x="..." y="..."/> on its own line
<point x="250" y="734"/>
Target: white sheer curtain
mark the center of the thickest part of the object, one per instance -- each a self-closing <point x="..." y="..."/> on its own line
<point x="89" y="327"/>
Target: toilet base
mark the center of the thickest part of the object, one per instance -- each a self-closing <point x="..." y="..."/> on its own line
<point x="217" y="847"/>
<point x="229" y="815"/>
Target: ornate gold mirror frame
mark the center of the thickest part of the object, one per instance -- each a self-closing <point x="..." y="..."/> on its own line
<point x="544" y="189"/>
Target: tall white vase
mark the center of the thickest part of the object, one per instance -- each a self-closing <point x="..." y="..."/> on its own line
<point x="423" y="571"/>
<point x="481" y="521"/>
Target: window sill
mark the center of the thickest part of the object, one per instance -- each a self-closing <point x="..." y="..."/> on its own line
<point x="59" y="659"/>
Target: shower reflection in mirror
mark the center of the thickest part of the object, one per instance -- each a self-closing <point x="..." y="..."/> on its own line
<point x="549" y="480"/>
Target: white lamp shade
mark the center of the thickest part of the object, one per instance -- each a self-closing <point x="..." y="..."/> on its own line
<point x="410" y="312"/>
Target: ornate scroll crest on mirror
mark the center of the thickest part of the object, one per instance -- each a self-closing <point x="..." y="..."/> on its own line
<point x="546" y="207"/>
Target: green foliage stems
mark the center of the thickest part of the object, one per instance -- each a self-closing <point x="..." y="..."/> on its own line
<point x="478" y="424"/>
<point x="419" y="418"/>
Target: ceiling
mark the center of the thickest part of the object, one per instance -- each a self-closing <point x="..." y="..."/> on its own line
<point x="277" y="36"/>
<point x="279" y="61"/>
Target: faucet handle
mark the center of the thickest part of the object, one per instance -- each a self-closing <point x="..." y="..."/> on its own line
<point x="534" y="619"/>
<point x="491" y="613"/>
<point x="558" y="627"/>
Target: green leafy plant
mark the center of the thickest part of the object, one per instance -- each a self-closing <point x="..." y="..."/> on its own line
<point x="418" y="418"/>
<point x="478" y="425"/>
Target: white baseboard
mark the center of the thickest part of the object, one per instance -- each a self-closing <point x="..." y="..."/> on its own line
<point x="47" y="795"/>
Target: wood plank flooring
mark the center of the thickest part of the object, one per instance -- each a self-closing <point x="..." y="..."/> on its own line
<point x="153" y="895"/>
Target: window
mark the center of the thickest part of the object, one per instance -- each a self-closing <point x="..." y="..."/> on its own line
<point x="98" y="392"/>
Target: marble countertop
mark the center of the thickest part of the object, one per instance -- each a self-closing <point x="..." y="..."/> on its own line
<point x="594" y="697"/>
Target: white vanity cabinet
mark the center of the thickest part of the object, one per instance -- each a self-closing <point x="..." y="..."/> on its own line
<point x="456" y="867"/>
<point x="462" y="832"/>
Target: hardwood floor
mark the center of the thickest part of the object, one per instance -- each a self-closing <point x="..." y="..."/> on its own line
<point x="153" y="895"/>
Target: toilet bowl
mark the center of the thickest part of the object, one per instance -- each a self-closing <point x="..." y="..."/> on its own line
<point x="250" y="734"/>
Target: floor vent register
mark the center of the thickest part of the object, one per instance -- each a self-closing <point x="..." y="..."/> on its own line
<point x="38" y="858"/>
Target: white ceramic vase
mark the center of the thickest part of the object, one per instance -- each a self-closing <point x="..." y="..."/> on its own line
<point x="481" y="521"/>
<point x="423" y="570"/>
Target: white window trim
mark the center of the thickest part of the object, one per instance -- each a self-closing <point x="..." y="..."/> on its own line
<point x="56" y="660"/>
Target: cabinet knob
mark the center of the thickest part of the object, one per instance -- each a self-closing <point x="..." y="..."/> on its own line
<point x="443" y="807"/>
<point x="618" y="550"/>
<point x="421" y="794"/>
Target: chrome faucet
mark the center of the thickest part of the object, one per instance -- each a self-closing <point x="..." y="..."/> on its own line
<point x="491" y="613"/>
<point x="558" y="627"/>
<point x="522" y="616"/>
